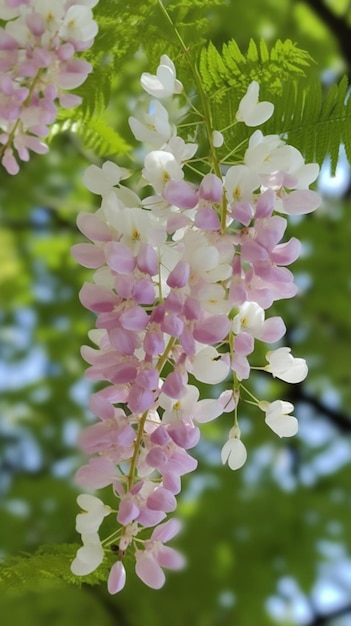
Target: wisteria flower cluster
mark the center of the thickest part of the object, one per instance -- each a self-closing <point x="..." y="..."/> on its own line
<point x="38" y="65"/>
<point x="182" y="282"/>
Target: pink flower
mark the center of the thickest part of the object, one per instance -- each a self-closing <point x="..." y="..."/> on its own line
<point x="181" y="284"/>
<point x="149" y="562"/>
<point x="117" y="578"/>
<point x="37" y="56"/>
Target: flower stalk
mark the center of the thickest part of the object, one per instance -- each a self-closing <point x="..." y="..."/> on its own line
<point x="183" y="280"/>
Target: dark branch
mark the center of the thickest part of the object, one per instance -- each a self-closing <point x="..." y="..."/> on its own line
<point x="323" y="620"/>
<point x="338" y="26"/>
<point x="341" y="421"/>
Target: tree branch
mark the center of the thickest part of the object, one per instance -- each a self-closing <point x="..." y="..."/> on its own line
<point x="341" y="421"/>
<point x="323" y="620"/>
<point x="338" y="26"/>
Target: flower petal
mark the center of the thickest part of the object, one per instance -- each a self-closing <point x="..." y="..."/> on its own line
<point x="149" y="570"/>
<point x="117" y="578"/>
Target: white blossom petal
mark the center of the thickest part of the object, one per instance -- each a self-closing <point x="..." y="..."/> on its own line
<point x="278" y="418"/>
<point x="217" y="139"/>
<point x="234" y="453"/>
<point x="89" y="556"/>
<point x="281" y="364"/>
<point x="251" y="111"/>
<point x="208" y="367"/>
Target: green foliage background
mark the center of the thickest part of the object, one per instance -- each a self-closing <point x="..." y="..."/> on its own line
<point x="283" y="522"/>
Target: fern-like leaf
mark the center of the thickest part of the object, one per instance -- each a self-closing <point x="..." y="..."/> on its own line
<point x="94" y="132"/>
<point x="48" y="567"/>
<point x="316" y="125"/>
<point x="229" y="73"/>
<point x="127" y="25"/>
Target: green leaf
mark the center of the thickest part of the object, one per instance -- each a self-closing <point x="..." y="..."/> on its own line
<point x="317" y="125"/>
<point x="229" y="73"/>
<point x="95" y="133"/>
<point x="49" y="566"/>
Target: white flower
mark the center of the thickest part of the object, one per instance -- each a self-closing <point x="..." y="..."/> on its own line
<point x="278" y="418"/>
<point x="181" y="408"/>
<point x="157" y="129"/>
<point x="89" y="556"/>
<point x="165" y="83"/>
<point x="51" y="11"/>
<point x="94" y="512"/>
<point x="250" y="319"/>
<point x="207" y="410"/>
<point x="79" y="24"/>
<point x="234" y="452"/>
<point x="305" y="173"/>
<point x="7" y="13"/>
<point x="240" y="182"/>
<point x="135" y="226"/>
<point x="281" y="364"/>
<point x="101" y="180"/>
<point x="160" y="167"/>
<point x="217" y="139"/>
<point x="213" y="299"/>
<point x="267" y="154"/>
<point x="205" y="260"/>
<point x="251" y="111"/>
<point x="181" y="151"/>
<point x="208" y="367"/>
<point x="188" y="407"/>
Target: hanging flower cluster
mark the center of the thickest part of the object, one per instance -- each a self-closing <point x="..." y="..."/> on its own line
<point x="38" y="65"/>
<point x="183" y="279"/>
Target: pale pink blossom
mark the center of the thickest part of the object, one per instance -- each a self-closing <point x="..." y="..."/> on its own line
<point x="37" y="65"/>
<point x="149" y="562"/>
<point x="161" y="167"/>
<point x="182" y="280"/>
<point x="117" y="578"/>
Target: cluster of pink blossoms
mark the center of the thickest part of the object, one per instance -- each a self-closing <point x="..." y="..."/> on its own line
<point x="38" y="65"/>
<point x="183" y="278"/>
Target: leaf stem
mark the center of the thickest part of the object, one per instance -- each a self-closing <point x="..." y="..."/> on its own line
<point x="205" y="108"/>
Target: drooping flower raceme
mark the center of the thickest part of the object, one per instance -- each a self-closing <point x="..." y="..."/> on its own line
<point x="183" y="281"/>
<point x="38" y="66"/>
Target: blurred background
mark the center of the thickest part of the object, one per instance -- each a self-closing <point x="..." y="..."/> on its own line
<point x="269" y="545"/>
